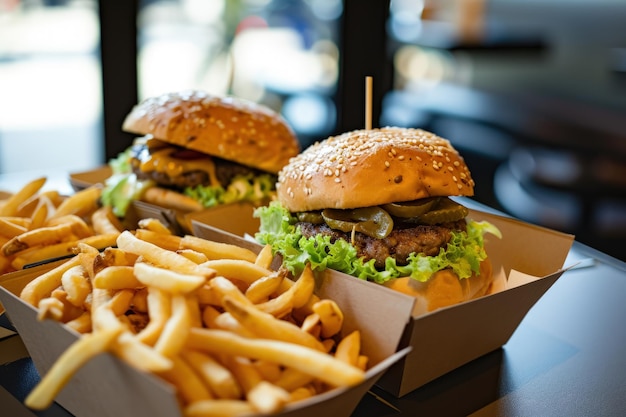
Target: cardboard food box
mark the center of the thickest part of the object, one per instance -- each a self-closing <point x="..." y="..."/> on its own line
<point x="526" y="262"/>
<point x="235" y="218"/>
<point x="108" y="387"/>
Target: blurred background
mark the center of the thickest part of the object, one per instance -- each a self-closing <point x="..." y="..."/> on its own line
<point x="532" y="92"/>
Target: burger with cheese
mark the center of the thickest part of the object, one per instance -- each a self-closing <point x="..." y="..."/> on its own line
<point x="198" y="150"/>
<point x="376" y="204"/>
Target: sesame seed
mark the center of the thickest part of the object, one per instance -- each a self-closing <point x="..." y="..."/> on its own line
<point x="387" y="164"/>
<point x="337" y="180"/>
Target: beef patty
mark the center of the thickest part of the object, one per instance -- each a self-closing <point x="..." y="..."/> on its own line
<point x="225" y="170"/>
<point x="399" y="244"/>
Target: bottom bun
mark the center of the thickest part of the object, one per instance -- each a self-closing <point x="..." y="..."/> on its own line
<point x="170" y="199"/>
<point x="444" y="288"/>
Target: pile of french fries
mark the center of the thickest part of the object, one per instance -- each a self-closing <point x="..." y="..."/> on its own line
<point x="38" y="225"/>
<point x="232" y="335"/>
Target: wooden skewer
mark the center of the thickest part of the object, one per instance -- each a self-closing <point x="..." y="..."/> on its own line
<point x="368" y="102"/>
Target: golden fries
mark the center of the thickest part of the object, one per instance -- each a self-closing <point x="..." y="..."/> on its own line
<point x="37" y="225"/>
<point x="231" y="335"/>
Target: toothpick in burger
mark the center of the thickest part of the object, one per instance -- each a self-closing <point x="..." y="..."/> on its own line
<point x="198" y="150"/>
<point x="376" y="204"/>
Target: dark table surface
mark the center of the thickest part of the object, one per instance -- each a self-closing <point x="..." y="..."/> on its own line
<point x="566" y="358"/>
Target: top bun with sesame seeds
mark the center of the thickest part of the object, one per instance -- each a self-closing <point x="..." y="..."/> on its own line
<point x="372" y="167"/>
<point x="199" y="150"/>
<point x="375" y="204"/>
<point x="223" y="126"/>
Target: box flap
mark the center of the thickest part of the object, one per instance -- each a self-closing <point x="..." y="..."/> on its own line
<point x="462" y="333"/>
<point x="535" y="250"/>
<point x="85" y="179"/>
<point x="235" y="218"/>
<point x="91" y="393"/>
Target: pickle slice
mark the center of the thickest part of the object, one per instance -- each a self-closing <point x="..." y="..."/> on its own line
<point x="314" y="217"/>
<point x="446" y="210"/>
<point x="409" y="209"/>
<point x="371" y="221"/>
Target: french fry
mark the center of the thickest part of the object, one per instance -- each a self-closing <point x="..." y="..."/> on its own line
<point x="42" y="236"/>
<point x="216" y="376"/>
<point x="70" y="361"/>
<point x="167" y="280"/>
<point x="226" y="321"/>
<point x="192" y="255"/>
<point x="159" y="256"/>
<point x="311" y="361"/>
<point x="116" y="278"/>
<point x="189" y="384"/>
<point x="349" y="348"/>
<point x="80" y="204"/>
<point x="218" y="408"/>
<point x="141" y="356"/>
<point x="295" y="296"/>
<point x="176" y="329"/>
<point x="267" y="398"/>
<point x="223" y="287"/>
<point x="154" y="225"/>
<point x="40" y="214"/>
<point x="216" y="250"/>
<point x="292" y="379"/>
<point x="44" y="284"/>
<point x="261" y="289"/>
<point x="266" y="326"/>
<point x="159" y="308"/>
<point x="50" y="308"/>
<point x="120" y="302"/>
<point x="76" y="285"/>
<point x="78" y="226"/>
<point x="238" y="269"/>
<point x="82" y="323"/>
<point x="59" y="250"/>
<point x="165" y="241"/>
<point x="330" y="315"/>
<point x="104" y="221"/>
<point x="11" y="206"/>
<point x="265" y="257"/>
<point x="244" y="371"/>
<point x="140" y="300"/>
<point x="11" y="229"/>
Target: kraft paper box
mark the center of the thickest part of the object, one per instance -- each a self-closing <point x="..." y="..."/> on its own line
<point x="526" y="262"/>
<point x="107" y="387"/>
<point x="235" y="218"/>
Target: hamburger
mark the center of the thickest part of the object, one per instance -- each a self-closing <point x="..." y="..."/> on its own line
<point x="376" y="204"/>
<point x="196" y="150"/>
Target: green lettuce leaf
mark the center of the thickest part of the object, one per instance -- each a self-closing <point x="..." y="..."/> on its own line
<point x="242" y="188"/>
<point x="123" y="187"/>
<point x="463" y="255"/>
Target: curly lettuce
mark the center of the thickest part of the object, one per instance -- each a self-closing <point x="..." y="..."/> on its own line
<point x="463" y="255"/>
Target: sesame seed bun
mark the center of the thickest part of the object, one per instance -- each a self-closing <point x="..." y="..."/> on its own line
<point x="366" y="168"/>
<point x="226" y="127"/>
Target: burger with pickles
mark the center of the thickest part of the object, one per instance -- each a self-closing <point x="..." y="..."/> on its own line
<point x="196" y="150"/>
<point x="376" y="204"/>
